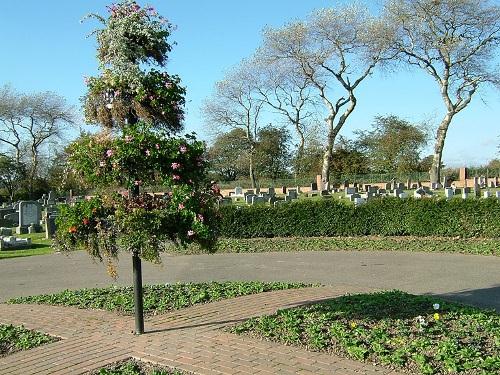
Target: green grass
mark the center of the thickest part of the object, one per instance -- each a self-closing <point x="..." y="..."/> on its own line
<point x="39" y="246"/>
<point x="394" y="329"/>
<point x="157" y="298"/>
<point x="133" y="367"/>
<point x="478" y="246"/>
<point x="13" y="339"/>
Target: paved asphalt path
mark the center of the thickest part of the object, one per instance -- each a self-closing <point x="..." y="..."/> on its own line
<point x="468" y="278"/>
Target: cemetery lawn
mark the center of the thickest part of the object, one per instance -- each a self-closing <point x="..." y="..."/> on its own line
<point x="133" y="367"/>
<point x="13" y="339"/>
<point x="477" y="246"/>
<point x="157" y="298"/>
<point x="416" y="334"/>
<point x="39" y="246"/>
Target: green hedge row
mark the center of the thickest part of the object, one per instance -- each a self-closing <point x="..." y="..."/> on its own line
<point x="385" y="217"/>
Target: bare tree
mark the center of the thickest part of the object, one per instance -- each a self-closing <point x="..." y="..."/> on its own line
<point x="335" y="49"/>
<point x="288" y="93"/>
<point x="10" y="119"/>
<point x="235" y="104"/>
<point x="454" y="41"/>
<point x="29" y="121"/>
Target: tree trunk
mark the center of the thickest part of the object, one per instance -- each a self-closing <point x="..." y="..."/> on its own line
<point x="327" y="156"/>
<point x="435" y="171"/>
<point x="253" y="179"/>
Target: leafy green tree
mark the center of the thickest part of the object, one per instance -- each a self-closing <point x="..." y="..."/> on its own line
<point x="348" y="159"/>
<point x="12" y="175"/>
<point x="273" y="157"/>
<point x="140" y="111"/>
<point x="229" y="155"/>
<point x="394" y="145"/>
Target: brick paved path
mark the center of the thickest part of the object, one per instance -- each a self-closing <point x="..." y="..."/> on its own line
<point x="189" y="339"/>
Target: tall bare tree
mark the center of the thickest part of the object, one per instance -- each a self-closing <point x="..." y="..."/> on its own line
<point x="29" y="121"/>
<point x="289" y="94"/>
<point x="235" y="104"/>
<point x="336" y="50"/>
<point x="10" y="118"/>
<point x="454" y="41"/>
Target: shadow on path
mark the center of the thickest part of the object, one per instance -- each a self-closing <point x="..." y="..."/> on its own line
<point x="484" y="297"/>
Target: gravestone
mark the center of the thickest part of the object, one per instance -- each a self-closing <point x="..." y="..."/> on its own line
<point x="5" y="231"/>
<point x="448" y="193"/>
<point x="50" y="225"/>
<point x="408" y="184"/>
<point x="271" y="191"/>
<point x="292" y="193"/>
<point x="388" y="186"/>
<point x="352" y="197"/>
<point x="465" y="194"/>
<point x="497" y="194"/>
<point x="358" y="201"/>
<point x="238" y="190"/>
<point x="256" y="199"/>
<point x="466" y="190"/>
<point x="283" y="190"/>
<point x="403" y="195"/>
<point x="487" y="194"/>
<point x="51" y="199"/>
<point x="419" y="193"/>
<point x="29" y="213"/>
<point x="225" y="202"/>
<point x="366" y="187"/>
<point x="314" y="186"/>
<point x="351" y="190"/>
<point x="248" y="198"/>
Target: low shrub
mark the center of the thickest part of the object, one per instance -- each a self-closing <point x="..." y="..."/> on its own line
<point x="385" y="217"/>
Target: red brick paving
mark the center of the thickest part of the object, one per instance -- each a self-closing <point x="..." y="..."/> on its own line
<point x="190" y="339"/>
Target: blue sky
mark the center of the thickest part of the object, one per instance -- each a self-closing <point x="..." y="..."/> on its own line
<point x="44" y="47"/>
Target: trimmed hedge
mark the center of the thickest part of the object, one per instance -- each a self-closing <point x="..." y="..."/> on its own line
<point x="385" y="217"/>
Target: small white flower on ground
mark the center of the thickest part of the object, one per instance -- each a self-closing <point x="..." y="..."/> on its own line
<point x="436" y="306"/>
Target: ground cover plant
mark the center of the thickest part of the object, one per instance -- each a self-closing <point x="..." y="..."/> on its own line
<point x="157" y="298"/>
<point x="478" y="246"/>
<point x="133" y="367"/>
<point x="16" y="338"/>
<point x="417" y="334"/>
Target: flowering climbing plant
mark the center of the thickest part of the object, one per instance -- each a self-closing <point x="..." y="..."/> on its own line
<point x="140" y="112"/>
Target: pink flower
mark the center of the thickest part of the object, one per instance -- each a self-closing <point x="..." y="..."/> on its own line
<point x="176" y="165"/>
<point x="138" y="183"/>
<point x="128" y="138"/>
<point x="200" y="217"/>
<point x="109" y="153"/>
<point x="148" y="152"/>
<point x="157" y="146"/>
<point x="183" y="149"/>
<point x="151" y="97"/>
<point x="176" y="177"/>
<point x="190" y="233"/>
<point x="181" y="206"/>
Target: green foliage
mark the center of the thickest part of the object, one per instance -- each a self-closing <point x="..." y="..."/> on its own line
<point x="347" y="158"/>
<point x="272" y="155"/>
<point x="385" y="217"/>
<point x="394" y="145"/>
<point x="14" y="338"/>
<point x="133" y="367"/>
<point x="228" y="156"/>
<point x="392" y="328"/>
<point x="157" y="298"/>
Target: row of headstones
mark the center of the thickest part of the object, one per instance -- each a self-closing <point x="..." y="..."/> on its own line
<point x="27" y="219"/>
<point x="252" y="198"/>
<point x="467" y="192"/>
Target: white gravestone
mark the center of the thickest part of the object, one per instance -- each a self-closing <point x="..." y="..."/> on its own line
<point x="29" y="213"/>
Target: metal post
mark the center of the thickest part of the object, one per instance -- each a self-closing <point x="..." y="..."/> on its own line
<point x="138" y="302"/>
